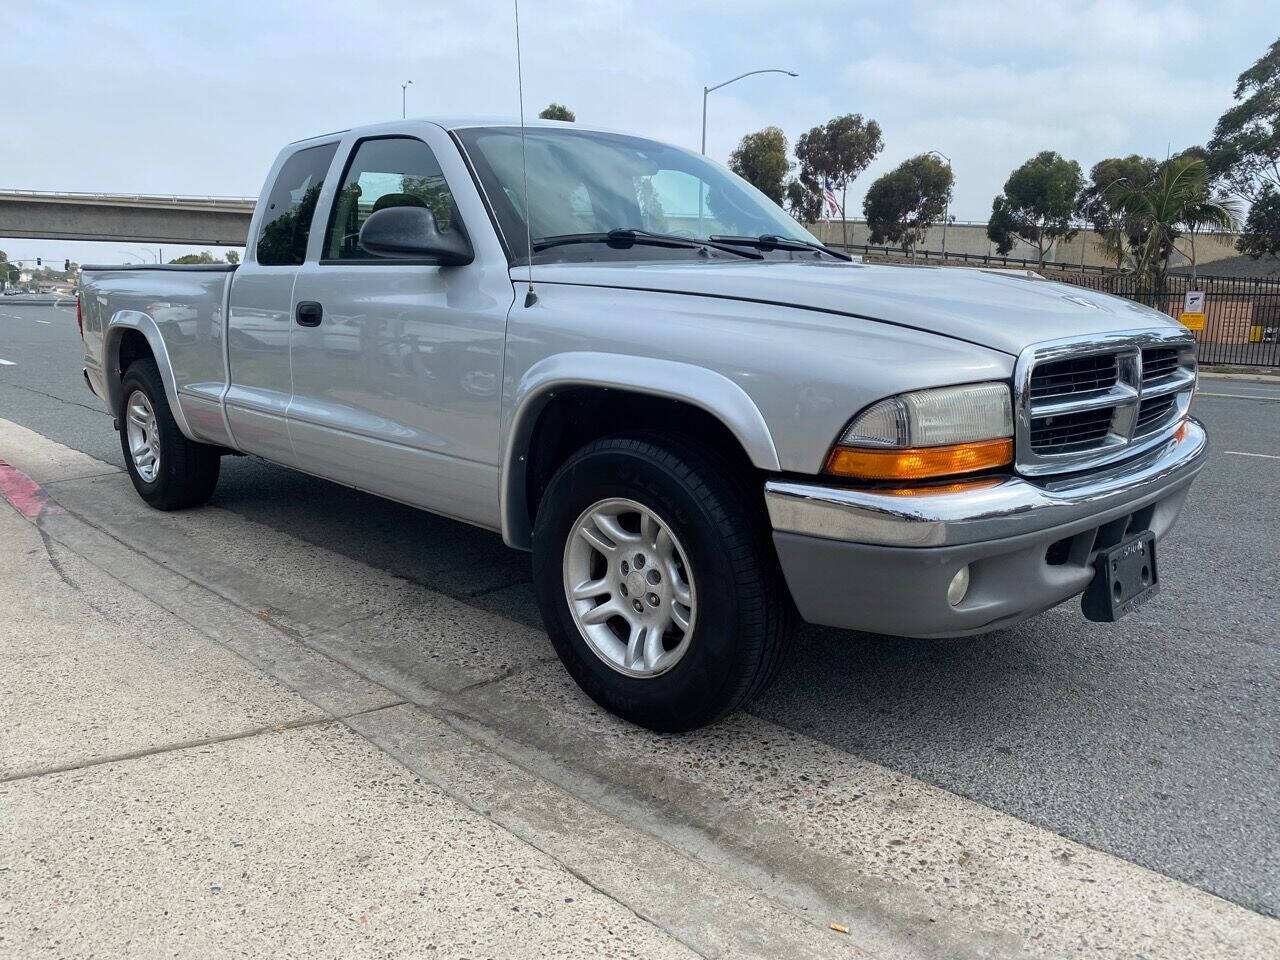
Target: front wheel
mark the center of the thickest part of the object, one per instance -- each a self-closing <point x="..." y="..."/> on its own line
<point x="657" y="582"/>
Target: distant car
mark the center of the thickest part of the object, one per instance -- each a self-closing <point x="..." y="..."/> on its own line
<point x="698" y="418"/>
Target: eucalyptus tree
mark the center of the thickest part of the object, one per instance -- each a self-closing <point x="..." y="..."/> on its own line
<point x="761" y="159"/>
<point x="557" y="111"/>
<point x="902" y="205"/>
<point x="1245" y="152"/>
<point x="1245" y="147"/>
<point x="1038" y="204"/>
<point x="831" y="157"/>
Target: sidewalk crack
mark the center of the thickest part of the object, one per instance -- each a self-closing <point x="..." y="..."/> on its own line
<point x="193" y="744"/>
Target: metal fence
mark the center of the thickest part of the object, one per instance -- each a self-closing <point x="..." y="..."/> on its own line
<point x="973" y="259"/>
<point x="1242" y="315"/>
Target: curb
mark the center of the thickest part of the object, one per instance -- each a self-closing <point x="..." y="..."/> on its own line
<point x="1262" y="375"/>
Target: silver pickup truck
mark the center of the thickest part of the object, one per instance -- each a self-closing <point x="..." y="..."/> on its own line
<point x="699" y="419"/>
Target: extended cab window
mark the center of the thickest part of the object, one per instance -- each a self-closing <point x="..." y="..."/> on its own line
<point x="291" y="204"/>
<point x="385" y="172"/>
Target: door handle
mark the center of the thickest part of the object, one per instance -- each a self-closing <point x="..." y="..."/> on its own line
<point x="308" y="313"/>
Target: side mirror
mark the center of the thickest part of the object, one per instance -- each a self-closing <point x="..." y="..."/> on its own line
<point x="410" y="233"/>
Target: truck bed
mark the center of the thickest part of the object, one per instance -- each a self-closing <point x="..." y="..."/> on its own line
<point x="180" y="312"/>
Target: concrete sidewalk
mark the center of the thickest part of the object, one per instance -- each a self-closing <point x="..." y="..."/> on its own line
<point x="162" y="797"/>
<point x="219" y="739"/>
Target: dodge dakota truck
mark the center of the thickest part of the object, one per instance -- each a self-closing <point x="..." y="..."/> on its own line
<point x="701" y="421"/>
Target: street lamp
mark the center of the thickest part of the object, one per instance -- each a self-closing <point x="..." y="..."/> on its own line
<point x="947" y="212"/>
<point x="404" y="98"/>
<point x="707" y="90"/>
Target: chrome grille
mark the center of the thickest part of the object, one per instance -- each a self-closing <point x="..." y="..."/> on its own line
<point x="1068" y="377"/>
<point x="1152" y="413"/>
<point x="1087" y="401"/>
<point x="1070" y="431"/>
<point x="1158" y="363"/>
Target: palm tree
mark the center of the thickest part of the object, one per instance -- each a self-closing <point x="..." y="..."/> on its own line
<point x="1115" y="243"/>
<point x="1178" y="197"/>
<point x="1206" y="211"/>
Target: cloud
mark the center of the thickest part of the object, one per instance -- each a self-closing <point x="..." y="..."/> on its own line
<point x="989" y="117"/>
<point x="140" y="96"/>
<point x="1100" y="30"/>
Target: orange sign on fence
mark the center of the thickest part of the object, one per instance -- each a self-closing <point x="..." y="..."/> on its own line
<point x="1193" y="310"/>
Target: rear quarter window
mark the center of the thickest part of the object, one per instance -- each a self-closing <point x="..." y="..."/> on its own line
<point x="291" y="206"/>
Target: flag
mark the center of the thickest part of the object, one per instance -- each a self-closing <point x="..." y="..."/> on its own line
<point x="829" y="199"/>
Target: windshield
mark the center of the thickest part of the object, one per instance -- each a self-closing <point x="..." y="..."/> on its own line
<point x="583" y="182"/>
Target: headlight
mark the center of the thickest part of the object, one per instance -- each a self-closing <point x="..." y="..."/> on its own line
<point x="928" y="433"/>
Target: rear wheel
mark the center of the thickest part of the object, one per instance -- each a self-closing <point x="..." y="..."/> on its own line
<point x="657" y="583"/>
<point x="169" y="471"/>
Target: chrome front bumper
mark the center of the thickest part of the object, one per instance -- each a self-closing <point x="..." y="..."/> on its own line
<point x="881" y="561"/>
<point x="971" y="513"/>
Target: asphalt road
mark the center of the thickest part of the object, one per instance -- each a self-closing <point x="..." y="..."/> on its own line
<point x="1156" y="739"/>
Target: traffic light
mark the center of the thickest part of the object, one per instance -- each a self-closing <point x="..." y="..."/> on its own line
<point x="39" y="261"/>
<point x="66" y="266"/>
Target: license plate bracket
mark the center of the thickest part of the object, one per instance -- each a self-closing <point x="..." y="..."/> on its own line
<point x="1125" y="578"/>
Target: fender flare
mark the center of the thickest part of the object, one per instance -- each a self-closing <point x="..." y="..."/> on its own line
<point x="124" y="320"/>
<point x="685" y="382"/>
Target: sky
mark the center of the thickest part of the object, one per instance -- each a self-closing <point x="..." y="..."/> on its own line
<point x="156" y="97"/>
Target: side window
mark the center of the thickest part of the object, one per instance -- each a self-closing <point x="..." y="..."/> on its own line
<point x="291" y="204"/>
<point x="386" y="172"/>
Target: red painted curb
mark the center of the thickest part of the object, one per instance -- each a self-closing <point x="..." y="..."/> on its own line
<point x="26" y="496"/>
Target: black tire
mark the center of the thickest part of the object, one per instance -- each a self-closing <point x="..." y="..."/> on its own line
<point x="188" y="470"/>
<point x="745" y="613"/>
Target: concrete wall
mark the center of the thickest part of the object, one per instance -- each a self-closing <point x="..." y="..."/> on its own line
<point x="971" y="238"/>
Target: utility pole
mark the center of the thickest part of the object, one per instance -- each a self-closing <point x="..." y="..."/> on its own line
<point x="404" y="98"/>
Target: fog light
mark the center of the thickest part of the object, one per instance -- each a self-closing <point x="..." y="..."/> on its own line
<point x="959" y="586"/>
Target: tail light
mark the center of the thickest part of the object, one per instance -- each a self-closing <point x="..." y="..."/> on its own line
<point x="79" y="319"/>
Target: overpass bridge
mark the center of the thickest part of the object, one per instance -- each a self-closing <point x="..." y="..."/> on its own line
<point x="224" y="222"/>
<point x="135" y="218"/>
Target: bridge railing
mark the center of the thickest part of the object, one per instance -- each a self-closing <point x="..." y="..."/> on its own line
<point x="136" y="197"/>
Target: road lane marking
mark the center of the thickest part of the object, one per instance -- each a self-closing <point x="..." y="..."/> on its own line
<point x="7" y="363"/>
<point x="1241" y="453"/>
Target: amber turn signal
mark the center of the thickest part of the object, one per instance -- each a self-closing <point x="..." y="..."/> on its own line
<point x="920" y="463"/>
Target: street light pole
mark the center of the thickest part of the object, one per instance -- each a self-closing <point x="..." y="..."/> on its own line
<point x="946" y="214"/>
<point x="404" y="98"/>
<point x="707" y="90"/>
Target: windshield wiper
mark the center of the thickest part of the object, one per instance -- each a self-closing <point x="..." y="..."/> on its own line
<point x="627" y="237"/>
<point x="769" y="242"/>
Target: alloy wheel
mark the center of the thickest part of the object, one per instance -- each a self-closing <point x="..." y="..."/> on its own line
<point x="144" y="436"/>
<point x="629" y="587"/>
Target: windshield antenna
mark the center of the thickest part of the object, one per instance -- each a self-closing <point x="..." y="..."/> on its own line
<point x="530" y="298"/>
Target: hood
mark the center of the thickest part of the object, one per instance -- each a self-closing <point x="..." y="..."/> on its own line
<point x="1003" y="311"/>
